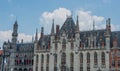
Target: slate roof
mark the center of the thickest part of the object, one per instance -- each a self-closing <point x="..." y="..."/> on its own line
<point x="26" y="46"/>
<point x="68" y="27"/>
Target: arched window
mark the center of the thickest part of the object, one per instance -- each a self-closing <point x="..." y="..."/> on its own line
<point x="42" y="62"/>
<point x="36" y="62"/>
<point x="81" y="58"/>
<point x="63" y="62"/>
<point x="81" y="61"/>
<point x="103" y="58"/>
<point x="88" y="58"/>
<point x="95" y="58"/>
<point x="64" y="44"/>
<point x="47" y="66"/>
<point x="71" y="61"/>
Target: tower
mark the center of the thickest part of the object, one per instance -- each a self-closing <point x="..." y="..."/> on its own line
<point x="15" y="33"/>
<point x="77" y="34"/>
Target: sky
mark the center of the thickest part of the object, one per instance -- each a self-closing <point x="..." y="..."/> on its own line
<point x="32" y="14"/>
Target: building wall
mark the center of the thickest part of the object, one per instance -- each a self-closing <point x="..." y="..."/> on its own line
<point x="76" y="51"/>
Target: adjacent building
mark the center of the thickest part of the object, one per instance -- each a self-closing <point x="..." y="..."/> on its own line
<point x="115" y="51"/>
<point x="69" y="49"/>
<point x="19" y="55"/>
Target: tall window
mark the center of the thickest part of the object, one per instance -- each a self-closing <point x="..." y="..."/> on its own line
<point x="103" y="58"/>
<point x="55" y="62"/>
<point x="42" y="62"/>
<point x="47" y="66"/>
<point x="63" y="62"/>
<point x="71" y="61"/>
<point x="95" y="59"/>
<point x="64" y="44"/>
<point x="88" y="58"/>
<point x="81" y="58"/>
<point x="36" y="62"/>
<point x="88" y="68"/>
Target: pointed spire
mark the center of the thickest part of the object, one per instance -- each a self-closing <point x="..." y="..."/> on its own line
<point x="42" y="32"/>
<point x="36" y="36"/>
<point x="77" y="25"/>
<point x="52" y="29"/>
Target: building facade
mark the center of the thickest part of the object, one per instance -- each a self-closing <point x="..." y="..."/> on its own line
<point x="20" y="55"/>
<point x="69" y="49"/>
<point x="115" y="51"/>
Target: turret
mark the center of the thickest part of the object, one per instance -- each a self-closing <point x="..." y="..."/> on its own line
<point x="77" y="25"/>
<point x="15" y="33"/>
<point x="108" y="30"/>
<point x="42" y="32"/>
<point x="77" y="35"/>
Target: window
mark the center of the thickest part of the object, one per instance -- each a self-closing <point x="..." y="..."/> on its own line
<point x="55" y="59"/>
<point x="64" y="44"/>
<point x="103" y="58"/>
<point x="88" y="68"/>
<point x="71" y="61"/>
<point x="47" y="66"/>
<point x="63" y="62"/>
<point x="81" y="58"/>
<point x="88" y="58"/>
<point x="36" y="59"/>
<point x="81" y="68"/>
<point x="95" y="59"/>
<point x="42" y="62"/>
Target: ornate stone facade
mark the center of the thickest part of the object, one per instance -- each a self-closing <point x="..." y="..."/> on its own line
<point x="69" y="49"/>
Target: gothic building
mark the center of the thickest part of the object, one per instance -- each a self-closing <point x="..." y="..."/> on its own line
<point x="69" y="49"/>
<point x="115" y="51"/>
<point x="20" y="55"/>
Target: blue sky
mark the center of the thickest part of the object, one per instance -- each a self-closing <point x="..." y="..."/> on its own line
<point x="29" y="13"/>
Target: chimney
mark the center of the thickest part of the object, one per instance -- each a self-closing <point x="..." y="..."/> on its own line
<point x="57" y="28"/>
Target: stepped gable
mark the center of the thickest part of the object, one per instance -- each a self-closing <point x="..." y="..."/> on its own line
<point x="68" y="27"/>
<point x="99" y="34"/>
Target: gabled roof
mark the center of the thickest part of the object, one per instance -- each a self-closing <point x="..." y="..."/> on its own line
<point x="68" y="27"/>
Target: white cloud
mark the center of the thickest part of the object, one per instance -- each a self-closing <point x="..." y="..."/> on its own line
<point x="7" y="35"/>
<point x="86" y="20"/>
<point x="59" y="15"/>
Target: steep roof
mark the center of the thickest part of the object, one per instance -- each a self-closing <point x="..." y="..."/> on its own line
<point x="68" y="27"/>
